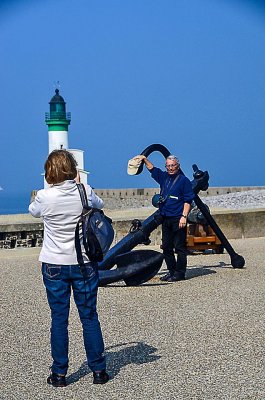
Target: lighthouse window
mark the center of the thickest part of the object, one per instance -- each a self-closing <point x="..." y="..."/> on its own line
<point x="60" y="107"/>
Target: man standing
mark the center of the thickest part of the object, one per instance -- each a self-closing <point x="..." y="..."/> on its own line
<point x="176" y="196"/>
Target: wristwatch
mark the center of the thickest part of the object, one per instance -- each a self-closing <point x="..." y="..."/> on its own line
<point x="184" y="216"/>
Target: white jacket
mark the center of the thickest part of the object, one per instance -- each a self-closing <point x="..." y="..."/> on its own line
<point x="60" y="207"/>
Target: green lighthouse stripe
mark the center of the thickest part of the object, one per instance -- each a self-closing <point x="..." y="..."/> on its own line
<point x="55" y="125"/>
<point x="58" y="128"/>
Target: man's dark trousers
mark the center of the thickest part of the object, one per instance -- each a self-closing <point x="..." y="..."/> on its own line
<point x="174" y="238"/>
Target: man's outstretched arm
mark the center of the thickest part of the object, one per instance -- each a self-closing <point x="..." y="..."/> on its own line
<point x="148" y="163"/>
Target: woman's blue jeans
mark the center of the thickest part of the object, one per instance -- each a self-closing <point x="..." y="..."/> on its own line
<point x="59" y="280"/>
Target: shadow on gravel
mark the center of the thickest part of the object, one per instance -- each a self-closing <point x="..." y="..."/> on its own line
<point x="195" y="272"/>
<point x="205" y="270"/>
<point x="142" y="285"/>
<point x="136" y="353"/>
<point x="221" y="264"/>
<point x="192" y="272"/>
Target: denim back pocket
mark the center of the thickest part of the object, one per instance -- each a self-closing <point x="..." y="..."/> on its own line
<point x="90" y="271"/>
<point x="51" y="270"/>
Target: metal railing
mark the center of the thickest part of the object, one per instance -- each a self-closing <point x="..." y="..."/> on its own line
<point x="57" y="115"/>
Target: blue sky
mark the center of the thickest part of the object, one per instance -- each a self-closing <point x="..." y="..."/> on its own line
<point x="187" y="74"/>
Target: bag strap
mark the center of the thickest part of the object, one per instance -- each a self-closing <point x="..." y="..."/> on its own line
<point x="85" y="241"/>
<point x="79" y="256"/>
<point x="168" y="187"/>
<point x="78" y="244"/>
<point x="83" y="196"/>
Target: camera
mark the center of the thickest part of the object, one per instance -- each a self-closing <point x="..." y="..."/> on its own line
<point x="157" y="199"/>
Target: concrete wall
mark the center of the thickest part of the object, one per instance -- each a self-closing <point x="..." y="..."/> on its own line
<point x="22" y="234"/>
<point x="26" y="231"/>
<point x="241" y="223"/>
<point x="148" y="193"/>
<point x="234" y="224"/>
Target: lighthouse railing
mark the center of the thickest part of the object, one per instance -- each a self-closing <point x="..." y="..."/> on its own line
<point x="57" y="115"/>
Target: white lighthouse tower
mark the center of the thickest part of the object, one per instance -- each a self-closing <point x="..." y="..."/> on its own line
<point x="58" y="121"/>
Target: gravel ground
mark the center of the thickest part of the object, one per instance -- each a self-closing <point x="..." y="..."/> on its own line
<point x="199" y="339"/>
<point x="238" y="200"/>
<point x="234" y="201"/>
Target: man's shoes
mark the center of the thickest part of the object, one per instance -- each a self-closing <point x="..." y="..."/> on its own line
<point x="165" y="277"/>
<point x="56" y="380"/>
<point x="100" y="377"/>
<point x="176" y="278"/>
<point x="172" y="277"/>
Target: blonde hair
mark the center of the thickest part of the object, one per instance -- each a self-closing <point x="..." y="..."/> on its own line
<point x="60" y="166"/>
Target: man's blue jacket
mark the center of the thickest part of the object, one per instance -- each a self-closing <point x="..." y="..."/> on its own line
<point x="175" y="190"/>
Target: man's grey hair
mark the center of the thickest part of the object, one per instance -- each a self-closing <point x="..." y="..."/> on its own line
<point x="173" y="158"/>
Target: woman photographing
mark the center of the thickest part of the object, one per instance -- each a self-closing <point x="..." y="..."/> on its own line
<point x="60" y="207"/>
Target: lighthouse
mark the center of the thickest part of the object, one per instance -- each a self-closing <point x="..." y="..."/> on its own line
<point x="58" y="121"/>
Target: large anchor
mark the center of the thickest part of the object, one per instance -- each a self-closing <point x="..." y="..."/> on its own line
<point x="138" y="266"/>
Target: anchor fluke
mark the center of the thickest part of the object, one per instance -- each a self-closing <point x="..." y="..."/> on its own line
<point x="134" y="267"/>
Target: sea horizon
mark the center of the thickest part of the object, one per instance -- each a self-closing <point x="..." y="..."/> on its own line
<point x="14" y="203"/>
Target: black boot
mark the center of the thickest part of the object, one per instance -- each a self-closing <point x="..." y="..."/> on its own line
<point x="100" y="377"/>
<point x="56" y="380"/>
<point x="165" y="277"/>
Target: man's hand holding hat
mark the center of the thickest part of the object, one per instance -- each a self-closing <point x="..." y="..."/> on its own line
<point x="134" y="164"/>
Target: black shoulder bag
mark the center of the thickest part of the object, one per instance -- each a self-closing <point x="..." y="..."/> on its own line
<point x="97" y="231"/>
